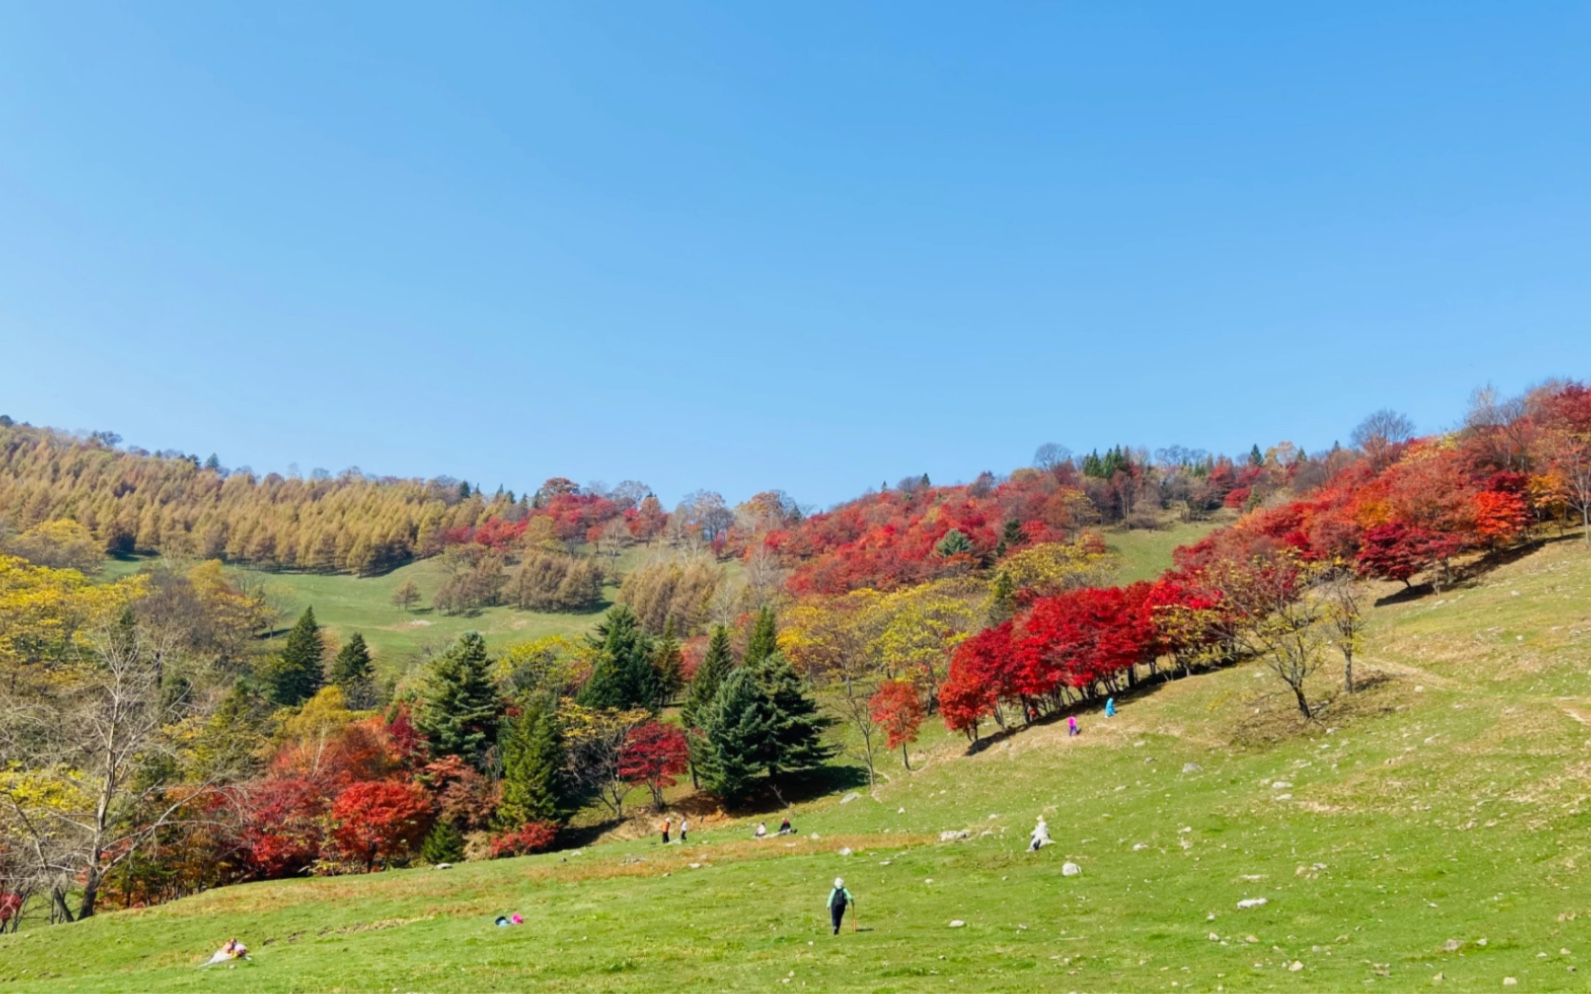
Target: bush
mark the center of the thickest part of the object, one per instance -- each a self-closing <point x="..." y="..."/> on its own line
<point x="532" y="837"/>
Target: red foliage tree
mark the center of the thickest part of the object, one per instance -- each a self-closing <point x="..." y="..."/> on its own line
<point x="283" y="826"/>
<point x="532" y="837"/>
<point x="1395" y="551"/>
<point x="654" y="754"/>
<point x="897" y="708"/>
<point x="381" y="819"/>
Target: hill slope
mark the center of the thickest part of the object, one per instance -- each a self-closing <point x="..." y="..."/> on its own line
<point x="1448" y="801"/>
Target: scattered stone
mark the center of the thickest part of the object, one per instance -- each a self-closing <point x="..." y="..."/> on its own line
<point x="1251" y="938"/>
<point x="848" y="798"/>
<point x="846" y="851"/>
<point x="1210" y="917"/>
<point x="900" y="811"/>
<point x="957" y="923"/>
<point x="1295" y="967"/>
<point x="1191" y="767"/>
<point x="1419" y="688"/>
<point x="1480" y="942"/>
<point x="1138" y="847"/>
<point x="1214" y="937"/>
<point x="1253" y="902"/>
<point x="1071" y="870"/>
<point x="1282" y="797"/>
<point x="696" y="866"/>
<point x="985" y="833"/>
<point x="884" y="863"/>
<point x="1509" y="981"/>
<point x="1563" y="952"/>
<point x="816" y="836"/>
<point x="929" y="880"/>
<point x="954" y="835"/>
<point x="1149" y="759"/>
<point x="1280" y="785"/>
<point x="1437" y="979"/>
<point x="444" y="866"/>
<point x="993" y="817"/>
<point x="1452" y="946"/>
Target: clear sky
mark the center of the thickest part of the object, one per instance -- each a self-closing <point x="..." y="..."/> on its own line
<point x="807" y="246"/>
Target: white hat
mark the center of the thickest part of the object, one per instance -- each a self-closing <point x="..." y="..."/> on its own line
<point x="838" y="882"/>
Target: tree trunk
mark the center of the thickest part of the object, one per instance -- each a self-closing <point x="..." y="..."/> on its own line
<point x="91" y="882"/>
<point x="904" y="758"/>
<point x="1303" y="705"/>
<point x="1347" y="671"/>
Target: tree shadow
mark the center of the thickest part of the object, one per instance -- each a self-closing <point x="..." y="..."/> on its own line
<point x="798" y="788"/>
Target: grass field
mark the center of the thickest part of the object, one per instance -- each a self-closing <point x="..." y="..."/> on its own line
<point x="1430" y="830"/>
<point x="1145" y="554"/>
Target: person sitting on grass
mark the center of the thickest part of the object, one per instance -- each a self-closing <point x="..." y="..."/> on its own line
<point x="1040" y="836"/>
<point x="784" y="827"/>
<point x="233" y="949"/>
<point x="762" y="830"/>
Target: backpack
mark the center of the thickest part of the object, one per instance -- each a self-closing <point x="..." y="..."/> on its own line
<point x="837" y="898"/>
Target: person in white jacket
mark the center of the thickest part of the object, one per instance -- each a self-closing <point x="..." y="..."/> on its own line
<point x="1040" y="836"/>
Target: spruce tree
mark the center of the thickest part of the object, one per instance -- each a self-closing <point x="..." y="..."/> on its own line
<point x="623" y="676"/>
<point x="668" y="662"/>
<point x="535" y="785"/>
<point x="445" y="844"/>
<point x="459" y="706"/>
<point x="717" y="664"/>
<point x="1011" y="537"/>
<point x="298" y="674"/>
<point x="352" y="671"/>
<point x="764" y="639"/>
<point x="738" y="730"/>
<point x="796" y="725"/>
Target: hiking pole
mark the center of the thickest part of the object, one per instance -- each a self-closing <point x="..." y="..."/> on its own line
<point x="854" y="917"/>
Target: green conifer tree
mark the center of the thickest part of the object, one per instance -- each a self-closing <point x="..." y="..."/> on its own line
<point x="535" y="784"/>
<point x="1002" y="599"/>
<point x="796" y="726"/>
<point x="764" y="639"/>
<point x="737" y="729"/>
<point x="668" y="662"/>
<point x="444" y="844"/>
<point x="352" y="670"/>
<point x="299" y="673"/>
<point x="623" y="676"/>
<point x="459" y="706"/>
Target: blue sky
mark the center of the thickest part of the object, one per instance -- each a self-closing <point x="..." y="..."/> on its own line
<point x="813" y="247"/>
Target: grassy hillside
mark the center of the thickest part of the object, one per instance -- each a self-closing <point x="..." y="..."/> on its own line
<point x="1146" y="554"/>
<point x="1433" y="825"/>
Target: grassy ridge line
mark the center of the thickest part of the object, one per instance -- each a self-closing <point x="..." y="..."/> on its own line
<point x="1448" y="801"/>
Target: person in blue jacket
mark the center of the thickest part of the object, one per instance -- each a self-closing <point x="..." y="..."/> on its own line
<point x="1110" y="707"/>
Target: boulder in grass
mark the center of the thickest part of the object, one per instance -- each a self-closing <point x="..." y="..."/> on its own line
<point x="957" y="923"/>
<point x="1253" y="902"/>
<point x="1070" y="869"/>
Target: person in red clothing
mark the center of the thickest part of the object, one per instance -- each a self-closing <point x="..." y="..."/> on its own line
<point x="666" y="826"/>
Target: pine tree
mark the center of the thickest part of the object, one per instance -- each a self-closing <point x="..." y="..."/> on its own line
<point x="535" y="786"/>
<point x="351" y="670"/>
<point x="445" y="844"/>
<point x="716" y="664"/>
<point x="459" y="707"/>
<point x="737" y="729"/>
<point x="1255" y="458"/>
<point x="764" y="639"/>
<point x="796" y="724"/>
<point x="1011" y="537"/>
<point x="299" y="673"/>
<point x="1002" y="599"/>
<point x="668" y="662"/>
<point x="623" y="676"/>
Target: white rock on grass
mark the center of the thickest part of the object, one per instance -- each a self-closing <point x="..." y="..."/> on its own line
<point x="1295" y="967"/>
<point x="951" y="835"/>
<point x="1071" y="870"/>
<point x="1253" y="902"/>
<point x="957" y="923"/>
<point x="1509" y="981"/>
<point x="846" y="851"/>
<point x="1191" y="767"/>
<point x="848" y="798"/>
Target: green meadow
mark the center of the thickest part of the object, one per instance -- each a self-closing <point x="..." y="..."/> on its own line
<point x="1427" y="832"/>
